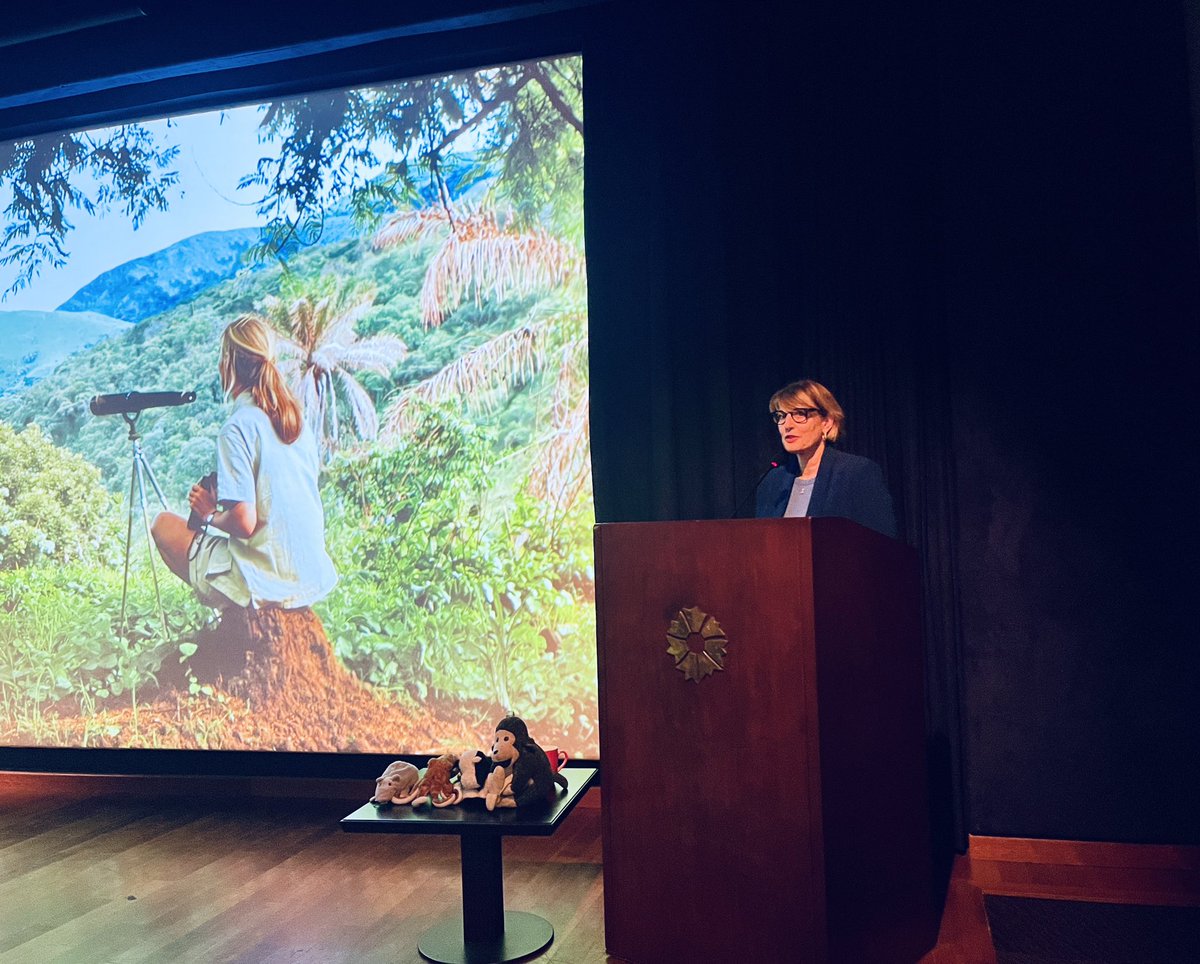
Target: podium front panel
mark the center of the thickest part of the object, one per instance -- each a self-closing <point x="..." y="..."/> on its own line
<point x="713" y="838"/>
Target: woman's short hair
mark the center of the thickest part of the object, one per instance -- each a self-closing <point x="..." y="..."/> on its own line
<point x="806" y="393"/>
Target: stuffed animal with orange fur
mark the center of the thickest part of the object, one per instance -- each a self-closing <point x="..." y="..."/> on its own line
<point x="436" y="785"/>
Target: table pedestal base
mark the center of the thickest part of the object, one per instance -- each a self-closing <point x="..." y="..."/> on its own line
<point x="485" y="933"/>
<point x="523" y="934"/>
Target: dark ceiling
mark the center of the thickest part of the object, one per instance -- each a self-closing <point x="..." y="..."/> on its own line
<point x="91" y="61"/>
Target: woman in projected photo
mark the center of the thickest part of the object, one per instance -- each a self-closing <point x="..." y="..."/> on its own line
<point x="270" y="547"/>
<point x="821" y="481"/>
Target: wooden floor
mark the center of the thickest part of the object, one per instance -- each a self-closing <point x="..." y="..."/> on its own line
<point x="89" y="881"/>
<point x="92" y="881"/>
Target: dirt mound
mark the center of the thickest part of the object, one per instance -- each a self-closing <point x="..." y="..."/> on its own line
<point x="272" y="683"/>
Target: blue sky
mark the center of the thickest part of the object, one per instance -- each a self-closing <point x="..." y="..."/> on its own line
<point x="217" y="148"/>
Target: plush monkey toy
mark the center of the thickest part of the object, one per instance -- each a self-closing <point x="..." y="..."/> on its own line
<point x="532" y="780"/>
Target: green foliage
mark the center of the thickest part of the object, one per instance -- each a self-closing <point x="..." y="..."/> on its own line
<point x="525" y="119"/>
<point x="60" y="637"/>
<point x="450" y="590"/>
<point x="176" y="351"/>
<point x="53" y="507"/>
<point x="542" y="157"/>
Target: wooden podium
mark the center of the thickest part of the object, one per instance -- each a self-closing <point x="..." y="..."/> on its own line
<point x="774" y="809"/>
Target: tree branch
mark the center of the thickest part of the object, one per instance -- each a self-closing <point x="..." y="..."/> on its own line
<point x="556" y="98"/>
<point x="504" y="97"/>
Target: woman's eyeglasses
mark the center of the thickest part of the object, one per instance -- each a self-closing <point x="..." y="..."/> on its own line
<point x="801" y="415"/>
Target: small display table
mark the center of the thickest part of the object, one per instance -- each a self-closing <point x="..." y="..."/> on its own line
<point x="486" y="934"/>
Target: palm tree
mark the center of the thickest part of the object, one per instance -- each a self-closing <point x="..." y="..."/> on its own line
<point x="483" y="256"/>
<point x="316" y="320"/>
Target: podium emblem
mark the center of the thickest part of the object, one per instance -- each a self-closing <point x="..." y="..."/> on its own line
<point x="707" y="655"/>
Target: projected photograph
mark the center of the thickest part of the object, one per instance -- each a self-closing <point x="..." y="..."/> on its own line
<point x="409" y="259"/>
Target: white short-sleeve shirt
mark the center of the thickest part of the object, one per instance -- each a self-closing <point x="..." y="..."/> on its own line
<point x="284" y="563"/>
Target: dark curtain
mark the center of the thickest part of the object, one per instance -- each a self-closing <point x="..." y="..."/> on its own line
<point x="1072" y="295"/>
<point x="762" y="187"/>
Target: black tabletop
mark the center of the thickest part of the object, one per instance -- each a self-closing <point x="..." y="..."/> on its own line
<point x="472" y="817"/>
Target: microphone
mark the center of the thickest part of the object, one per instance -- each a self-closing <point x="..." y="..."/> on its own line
<point x="741" y="505"/>
<point x="127" y="403"/>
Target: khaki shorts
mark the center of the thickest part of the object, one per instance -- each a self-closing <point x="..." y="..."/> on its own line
<point x="211" y="572"/>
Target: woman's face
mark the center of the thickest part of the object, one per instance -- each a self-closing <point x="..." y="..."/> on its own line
<point x="800" y="436"/>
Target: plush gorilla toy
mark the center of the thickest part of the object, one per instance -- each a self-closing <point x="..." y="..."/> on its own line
<point x="532" y="779"/>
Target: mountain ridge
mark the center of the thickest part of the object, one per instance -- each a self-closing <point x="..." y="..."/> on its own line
<point x="143" y="287"/>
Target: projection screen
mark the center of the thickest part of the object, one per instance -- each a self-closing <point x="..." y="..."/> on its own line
<point x="417" y="250"/>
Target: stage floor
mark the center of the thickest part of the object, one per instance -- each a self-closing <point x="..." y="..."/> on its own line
<point x="115" y="879"/>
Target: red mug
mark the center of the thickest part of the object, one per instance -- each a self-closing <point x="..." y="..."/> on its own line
<point x="557" y="758"/>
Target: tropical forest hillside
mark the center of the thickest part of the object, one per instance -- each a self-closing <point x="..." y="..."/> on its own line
<point x="33" y="343"/>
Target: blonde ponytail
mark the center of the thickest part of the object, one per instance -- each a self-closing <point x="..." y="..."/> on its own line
<point x="248" y="360"/>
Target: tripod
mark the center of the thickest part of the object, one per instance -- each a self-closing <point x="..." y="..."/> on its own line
<point x="139" y="472"/>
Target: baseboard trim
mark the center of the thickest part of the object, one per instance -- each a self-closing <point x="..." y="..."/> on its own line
<point x="1119" y="873"/>
<point x="1085" y="853"/>
<point x="21" y="787"/>
<point x="16" y="786"/>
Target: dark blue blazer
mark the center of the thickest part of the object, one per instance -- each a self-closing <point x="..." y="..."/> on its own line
<point x="847" y="487"/>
